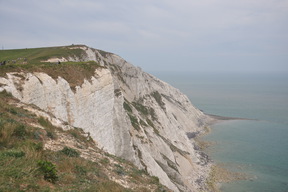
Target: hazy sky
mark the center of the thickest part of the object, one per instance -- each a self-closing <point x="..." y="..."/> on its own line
<point x="168" y="35"/>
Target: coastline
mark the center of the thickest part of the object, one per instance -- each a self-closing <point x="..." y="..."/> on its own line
<point x="217" y="118"/>
<point x="218" y="173"/>
<point x="257" y="145"/>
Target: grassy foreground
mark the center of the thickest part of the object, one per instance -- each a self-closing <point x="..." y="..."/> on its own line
<point x="27" y="165"/>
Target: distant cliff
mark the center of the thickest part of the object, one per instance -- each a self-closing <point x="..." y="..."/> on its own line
<point x="129" y="113"/>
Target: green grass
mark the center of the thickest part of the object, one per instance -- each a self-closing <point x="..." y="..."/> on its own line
<point x="36" y="55"/>
<point x="26" y="166"/>
<point x="73" y="72"/>
<point x="30" y="60"/>
<point x="70" y="152"/>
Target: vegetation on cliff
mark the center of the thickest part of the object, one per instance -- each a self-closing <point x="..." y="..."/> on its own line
<point x="27" y="163"/>
<point x="149" y="130"/>
<point x="36" y="60"/>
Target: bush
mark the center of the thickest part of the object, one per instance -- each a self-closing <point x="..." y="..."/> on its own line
<point x="15" y="154"/>
<point x="49" y="171"/>
<point x="51" y="135"/>
<point x="20" y="132"/>
<point x="70" y="152"/>
<point x="38" y="146"/>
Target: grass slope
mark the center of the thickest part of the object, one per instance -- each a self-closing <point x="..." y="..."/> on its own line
<point x="30" y="60"/>
<point x="36" y="55"/>
<point x="26" y="166"/>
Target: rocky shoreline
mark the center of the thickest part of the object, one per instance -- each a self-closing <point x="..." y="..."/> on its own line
<point x="218" y="172"/>
<point x="223" y="118"/>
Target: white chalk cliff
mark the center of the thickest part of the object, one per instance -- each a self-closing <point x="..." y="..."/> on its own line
<point x="129" y="113"/>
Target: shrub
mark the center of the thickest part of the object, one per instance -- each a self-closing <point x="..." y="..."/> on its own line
<point x="13" y="111"/>
<point x="38" y="146"/>
<point x="20" y="132"/>
<point x="154" y="180"/>
<point x="70" y="152"/>
<point x="49" y="171"/>
<point x="134" y="122"/>
<point x="15" y="154"/>
<point x="51" y="135"/>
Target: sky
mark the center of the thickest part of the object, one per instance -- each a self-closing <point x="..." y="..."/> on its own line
<point x="158" y="35"/>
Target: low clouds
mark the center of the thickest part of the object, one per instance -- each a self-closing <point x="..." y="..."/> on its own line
<point x="197" y="35"/>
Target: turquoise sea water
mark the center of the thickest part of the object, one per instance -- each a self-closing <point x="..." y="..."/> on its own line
<point x="257" y="147"/>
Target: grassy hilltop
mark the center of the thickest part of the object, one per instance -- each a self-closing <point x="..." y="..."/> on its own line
<point x="37" y="55"/>
<point x="34" y="60"/>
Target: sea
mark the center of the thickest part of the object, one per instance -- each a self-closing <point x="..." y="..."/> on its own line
<point x="257" y="145"/>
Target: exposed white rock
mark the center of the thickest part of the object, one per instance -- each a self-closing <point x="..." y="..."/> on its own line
<point x="150" y="130"/>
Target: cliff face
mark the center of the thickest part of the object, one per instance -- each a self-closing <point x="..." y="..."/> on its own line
<point x="127" y="112"/>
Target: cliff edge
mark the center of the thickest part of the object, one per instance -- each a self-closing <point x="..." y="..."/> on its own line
<point x="128" y="113"/>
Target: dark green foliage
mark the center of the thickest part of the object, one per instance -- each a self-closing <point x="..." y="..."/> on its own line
<point x="150" y="123"/>
<point x="117" y="92"/>
<point x="5" y="94"/>
<point x="141" y="108"/>
<point x="127" y="107"/>
<point x="134" y="122"/>
<point x="49" y="171"/>
<point x="155" y="180"/>
<point x="13" y="111"/>
<point x="38" y="146"/>
<point x="170" y="163"/>
<point x="153" y="114"/>
<point x="51" y="135"/>
<point x="70" y="152"/>
<point x="12" y="153"/>
<point x="174" y="148"/>
<point x="157" y="96"/>
<point x="20" y="131"/>
<point x="146" y="112"/>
